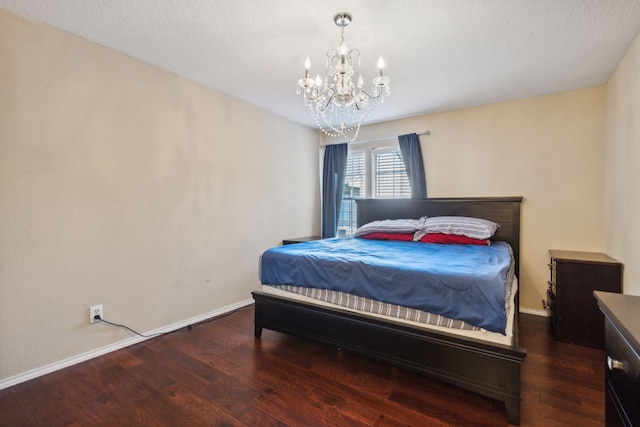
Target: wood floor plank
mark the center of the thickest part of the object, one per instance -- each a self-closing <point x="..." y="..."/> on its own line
<point x="217" y="373"/>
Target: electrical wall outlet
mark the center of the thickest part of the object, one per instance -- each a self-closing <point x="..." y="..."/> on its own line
<point x="94" y="311"/>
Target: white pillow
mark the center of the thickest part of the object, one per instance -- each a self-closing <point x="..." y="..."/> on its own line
<point x="475" y="228"/>
<point x="391" y="226"/>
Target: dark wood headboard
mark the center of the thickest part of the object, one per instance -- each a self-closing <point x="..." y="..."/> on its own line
<point x="502" y="210"/>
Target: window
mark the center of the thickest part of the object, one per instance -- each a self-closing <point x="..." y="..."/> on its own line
<point x="372" y="171"/>
<point x="390" y="178"/>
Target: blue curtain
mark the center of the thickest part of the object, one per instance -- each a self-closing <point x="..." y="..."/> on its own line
<point x="412" y="157"/>
<point x="334" y="171"/>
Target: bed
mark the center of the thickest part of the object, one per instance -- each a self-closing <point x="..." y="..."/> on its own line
<point x="491" y="368"/>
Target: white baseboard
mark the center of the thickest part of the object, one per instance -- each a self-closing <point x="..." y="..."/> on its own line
<point x="543" y="313"/>
<point x="38" y="372"/>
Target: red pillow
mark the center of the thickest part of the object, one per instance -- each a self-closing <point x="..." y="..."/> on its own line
<point x="452" y="238"/>
<point x="406" y="237"/>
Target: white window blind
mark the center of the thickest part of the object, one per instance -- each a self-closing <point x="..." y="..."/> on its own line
<point x="389" y="175"/>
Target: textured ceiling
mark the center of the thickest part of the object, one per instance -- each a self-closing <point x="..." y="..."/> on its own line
<point x="440" y="54"/>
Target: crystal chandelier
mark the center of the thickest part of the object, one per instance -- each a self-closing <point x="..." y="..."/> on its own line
<point x="340" y="104"/>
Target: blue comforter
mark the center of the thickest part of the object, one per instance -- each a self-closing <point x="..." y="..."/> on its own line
<point x="465" y="282"/>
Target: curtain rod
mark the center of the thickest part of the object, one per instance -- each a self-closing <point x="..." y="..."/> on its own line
<point x="426" y="132"/>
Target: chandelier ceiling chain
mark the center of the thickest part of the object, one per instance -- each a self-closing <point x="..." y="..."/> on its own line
<point x="340" y="105"/>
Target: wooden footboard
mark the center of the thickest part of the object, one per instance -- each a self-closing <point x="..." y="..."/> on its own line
<point x="489" y="369"/>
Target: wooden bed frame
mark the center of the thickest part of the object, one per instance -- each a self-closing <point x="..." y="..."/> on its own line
<point x="489" y="369"/>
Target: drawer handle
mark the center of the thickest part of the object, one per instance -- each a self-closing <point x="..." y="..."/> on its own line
<point x="614" y="364"/>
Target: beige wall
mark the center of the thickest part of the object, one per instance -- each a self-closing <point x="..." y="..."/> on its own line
<point x="622" y="168"/>
<point x="126" y="186"/>
<point x="547" y="149"/>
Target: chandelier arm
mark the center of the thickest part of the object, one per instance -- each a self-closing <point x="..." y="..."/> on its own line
<point x="371" y="96"/>
<point x="332" y="56"/>
<point x="318" y="95"/>
<point x="328" y="103"/>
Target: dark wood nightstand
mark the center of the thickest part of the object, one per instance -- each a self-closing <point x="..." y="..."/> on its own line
<point x="574" y="276"/>
<point x="300" y="240"/>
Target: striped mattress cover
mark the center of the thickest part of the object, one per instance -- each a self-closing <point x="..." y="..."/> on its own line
<point x="401" y="314"/>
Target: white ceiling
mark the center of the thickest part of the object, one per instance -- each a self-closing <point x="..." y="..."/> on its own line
<point x="440" y="54"/>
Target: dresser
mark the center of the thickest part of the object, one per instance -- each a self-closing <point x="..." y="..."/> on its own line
<point x="574" y="276"/>
<point x="622" y="354"/>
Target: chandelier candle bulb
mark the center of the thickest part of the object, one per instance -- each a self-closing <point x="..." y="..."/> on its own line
<point x="380" y="65"/>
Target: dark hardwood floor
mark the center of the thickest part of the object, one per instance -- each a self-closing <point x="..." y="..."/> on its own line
<point x="217" y="373"/>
